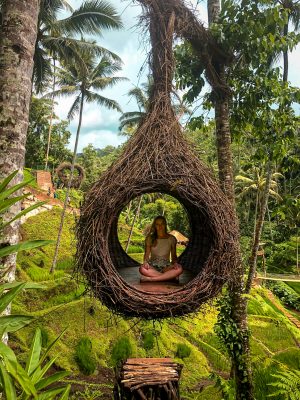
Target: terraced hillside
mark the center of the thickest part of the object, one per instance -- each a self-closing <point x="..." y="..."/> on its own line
<point x="63" y="303"/>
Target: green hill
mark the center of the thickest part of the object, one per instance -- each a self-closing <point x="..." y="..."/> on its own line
<point x="63" y="304"/>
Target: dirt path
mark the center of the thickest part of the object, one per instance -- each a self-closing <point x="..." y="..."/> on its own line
<point x="41" y="195"/>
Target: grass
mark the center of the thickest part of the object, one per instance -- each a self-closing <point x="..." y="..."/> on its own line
<point x="28" y="175"/>
<point x="295" y="286"/>
<point x="274" y="334"/>
<point x="62" y="304"/>
<point x="289" y="357"/>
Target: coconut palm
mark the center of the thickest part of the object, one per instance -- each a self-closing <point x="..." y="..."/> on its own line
<point x="236" y="308"/>
<point x="85" y="80"/>
<point x="55" y="41"/>
<point x="293" y="8"/>
<point x="253" y="182"/>
<point x="15" y="68"/>
<point x="55" y="37"/>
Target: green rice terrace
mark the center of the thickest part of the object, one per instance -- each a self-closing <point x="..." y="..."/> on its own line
<point x="95" y="340"/>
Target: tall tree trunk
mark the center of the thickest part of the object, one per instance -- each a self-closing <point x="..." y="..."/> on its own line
<point x="285" y="56"/>
<point x="18" y="34"/>
<point x="225" y="164"/>
<point x="258" y="229"/>
<point x="53" y="266"/>
<point x="51" y="116"/>
<point x="297" y="251"/>
<point x="133" y="222"/>
<point x="240" y="352"/>
<point x="213" y="11"/>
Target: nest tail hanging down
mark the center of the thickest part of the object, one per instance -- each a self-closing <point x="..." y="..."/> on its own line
<point x="158" y="159"/>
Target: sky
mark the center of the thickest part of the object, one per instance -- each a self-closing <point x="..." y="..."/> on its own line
<point x="100" y="125"/>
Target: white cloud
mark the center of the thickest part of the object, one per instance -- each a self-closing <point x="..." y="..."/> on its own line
<point x="98" y="138"/>
<point x="100" y="125"/>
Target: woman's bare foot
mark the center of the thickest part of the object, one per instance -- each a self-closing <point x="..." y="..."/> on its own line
<point x="145" y="279"/>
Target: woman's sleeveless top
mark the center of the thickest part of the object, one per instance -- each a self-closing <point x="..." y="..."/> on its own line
<point x="161" y="251"/>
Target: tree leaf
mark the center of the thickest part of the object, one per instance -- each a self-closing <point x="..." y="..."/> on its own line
<point x="7" y="298"/>
<point x="34" y="353"/>
<point x="51" y="345"/>
<point x="7" y="384"/>
<point x="6" y="181"/>
<point x="21" y="376"/>
<point x="24" y="212"/>
<point x="57" y="376"/>
<point x="7" y="192"/>
<point x="50" y="394"/>
<point x="65" y="394"/>
<point x="31" y="244"/>
<point x="12" y="323"/>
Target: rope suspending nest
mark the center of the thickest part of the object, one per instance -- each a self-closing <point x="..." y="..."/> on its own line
<point x="158" y="159"/>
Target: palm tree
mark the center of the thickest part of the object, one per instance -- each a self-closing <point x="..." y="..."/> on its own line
<point x="264" y="190"/>
<point x="253" y="182"/>
<point x="236" y="309"/>
<point x="130" y="120"/>
<point x="85" y="80"/>
<point x="293" y="8"/>
<point x="18" y="33"/>
<point x="55" y="37"/>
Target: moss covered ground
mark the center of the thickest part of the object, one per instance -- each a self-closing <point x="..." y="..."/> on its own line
<point x="62" y="304"/>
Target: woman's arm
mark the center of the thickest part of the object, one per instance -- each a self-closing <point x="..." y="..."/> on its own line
<point x="173" y="250"/>
<point x="147" y="250"/>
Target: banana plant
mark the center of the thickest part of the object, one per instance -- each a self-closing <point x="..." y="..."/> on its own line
<point x="7" y="199"/>
<point x="31" y="382"/>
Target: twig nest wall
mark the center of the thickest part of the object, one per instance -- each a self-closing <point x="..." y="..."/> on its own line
<point x="157" y="159"/>
<point x="64" y="170"/>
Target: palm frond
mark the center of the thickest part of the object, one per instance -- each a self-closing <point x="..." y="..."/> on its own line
<point x="42" y="70"/>
<point x="275" y="195"/>
<point x="63" y="91"/>
<point x="131" y="120"/>
<point x="106" y="82"/>
<point x="106" y="67"/>
<point x="140" y="97"/>
<point x="74" y="108"/>
<point x="91" y="97"/>
<point x="90" y="18"/>
<point x="244" y="179"/>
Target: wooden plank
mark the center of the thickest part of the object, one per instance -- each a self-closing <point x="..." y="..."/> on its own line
<point x="138" y="361"/>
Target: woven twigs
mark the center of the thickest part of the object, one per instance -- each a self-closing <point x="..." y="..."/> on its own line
<point x="158" y="159"/>
<point x="64" y="170"/>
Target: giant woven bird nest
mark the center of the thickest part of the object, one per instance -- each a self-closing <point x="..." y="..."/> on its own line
<point x="158" y="159"/>
<point x="64" y="171"/>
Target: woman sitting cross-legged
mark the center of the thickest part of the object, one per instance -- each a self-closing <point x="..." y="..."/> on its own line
<point x="159" y="248"/>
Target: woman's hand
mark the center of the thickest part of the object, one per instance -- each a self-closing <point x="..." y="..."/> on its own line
<point x="176" y="265"/>
<point x="146" y="265"/>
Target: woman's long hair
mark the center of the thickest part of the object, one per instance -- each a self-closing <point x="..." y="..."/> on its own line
<point x="153" y="231"/>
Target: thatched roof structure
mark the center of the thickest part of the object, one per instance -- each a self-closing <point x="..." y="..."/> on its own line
<point x="158" y="159"/>
<point x="179" y="237"/>
<point x="64" y="170"/>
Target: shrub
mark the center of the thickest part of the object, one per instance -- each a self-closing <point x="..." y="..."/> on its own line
<point x="183" y="351"/>
<point x="148" y="340"/>
<point x="121" y="350"/>
<point x="286" y="294"/>
<point x="84" y="357"/>
<point x="135" y="249"/>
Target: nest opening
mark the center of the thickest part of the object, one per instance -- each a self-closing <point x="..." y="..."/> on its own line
<point x="199" y="232"/>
